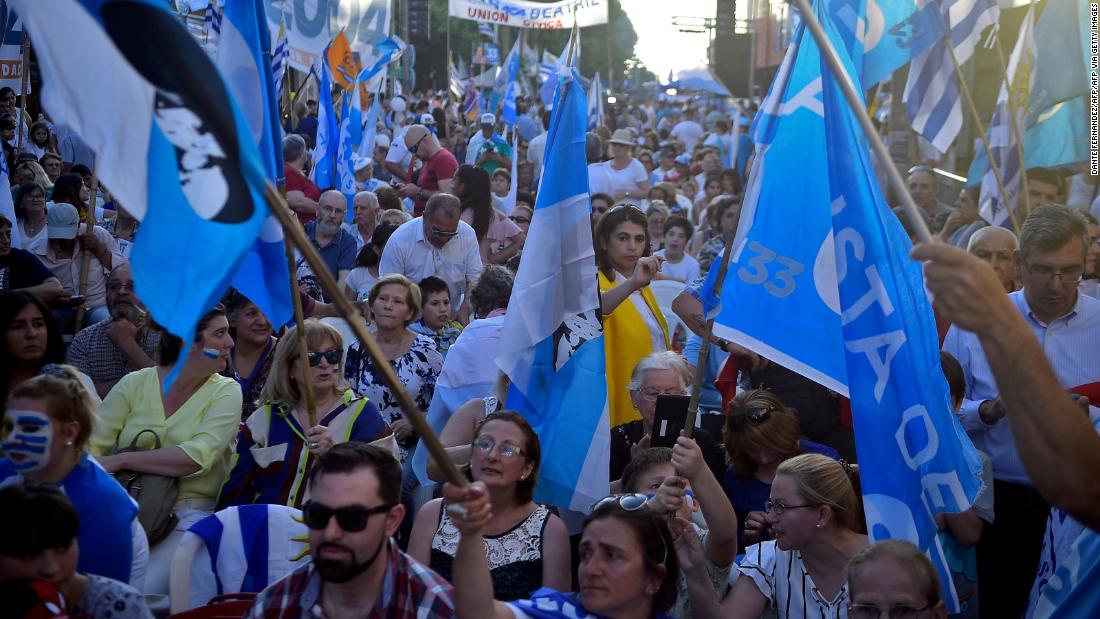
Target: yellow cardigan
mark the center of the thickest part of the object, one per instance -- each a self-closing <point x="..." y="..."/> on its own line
<point x="626" y="342"/>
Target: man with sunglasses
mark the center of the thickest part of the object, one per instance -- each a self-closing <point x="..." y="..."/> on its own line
<point x="123" y="343"/>
<point x="435" y="175"/>
<point x="1050" y="262"/>
<point x="436" y="244"/>
<point x="353" y="510"/>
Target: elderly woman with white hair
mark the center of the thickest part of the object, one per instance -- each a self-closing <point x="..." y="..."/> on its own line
<point x="657" y="374"/>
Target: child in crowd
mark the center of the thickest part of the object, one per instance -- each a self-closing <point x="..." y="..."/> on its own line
<point x="500" y="184"/>
<point x="436" y="320"/>
<point x="678" y="265"/>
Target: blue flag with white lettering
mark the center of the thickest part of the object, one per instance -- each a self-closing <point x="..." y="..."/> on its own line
<point x="328" y="132"/>
<point x="823" y="264"/>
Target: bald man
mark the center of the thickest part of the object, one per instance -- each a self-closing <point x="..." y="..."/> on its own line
<point x="996" y="246"/>
<point x="437" y="173"/>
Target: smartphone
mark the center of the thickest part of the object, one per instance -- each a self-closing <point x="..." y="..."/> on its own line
<point x="668" y="419"/>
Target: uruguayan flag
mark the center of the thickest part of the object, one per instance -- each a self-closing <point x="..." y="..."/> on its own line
<point x="891" y="32"/>
<point x="506" y="77"/>
<point x="551" y="345"/>
<point x="328" y="133"/>
<point x="242" y="58"/>
<point x="823" y="262"/>
<point x="387" y="51"/>
<point x="486" y="30"/>
<point x="171" y="142"/>
<point x="595" y="103"/>
<point x="365" y="149"/>
<point x="245" y="548"/>
<point x="346" y="151"/>
<point x="212" y="19"/>
<point x="280" y="58"/>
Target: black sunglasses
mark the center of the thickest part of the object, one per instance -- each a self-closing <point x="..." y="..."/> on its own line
<point x="520" y="220"/>
<point x="350" y="519"/>
<point x="332" y="356"/>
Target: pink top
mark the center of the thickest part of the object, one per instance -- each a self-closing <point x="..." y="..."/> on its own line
<point x="500" y="234"/>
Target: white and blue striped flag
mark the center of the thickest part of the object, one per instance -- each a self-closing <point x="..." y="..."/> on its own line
<point x="345" y="150"/>
<point x="551" y="344"/>
<point x="486" y="30"/>
<point x="280" y="58"/>
<point x="171" y="142"/>
<point x="595" y="103"/>
<point x="328" y="132"/>
<point x="836" y="298"/>
<point x="932" y="90"/>
<point x="245" y="548"/>
<point x="242" y="57"/>
<point x="1011" y="108"/>
<point x="212" y="19"/>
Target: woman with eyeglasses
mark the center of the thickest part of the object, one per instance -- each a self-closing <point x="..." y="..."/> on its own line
<point x="30" y="212"/>
<point x="395" y="304"/>
<point x="760" y="432"/>
<point x="526" y="546"/>
<point x="195" y="420"/>
<point x="277" y="444"/>
<point x="815" y="515"/>
<point x="633" y="324"/>
<point x="627" y="570"/>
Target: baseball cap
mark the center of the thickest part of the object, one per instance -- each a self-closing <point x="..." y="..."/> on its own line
<point x="427" y="119"/>
<point x="381" y="140"/>
<point x="683" y="160"/>
<point x="62" y="221"/>
<point x="358" y="163"/>
<point x="488" y="119"/>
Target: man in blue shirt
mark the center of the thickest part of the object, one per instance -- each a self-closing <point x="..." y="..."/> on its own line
<point x="336" y="245"/>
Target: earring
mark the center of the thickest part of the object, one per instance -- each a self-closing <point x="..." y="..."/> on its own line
<point x="68" y="443"/>
<point x="817" y="526"/>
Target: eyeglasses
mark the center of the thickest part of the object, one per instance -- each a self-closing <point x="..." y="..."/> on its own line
<point x="117" y="286"/>
<point x="450" y="234"/>
<point x="332" y="356"/>
<point x="652" y="394"/>
<point x="486" y="445"/>
<point x="897" y="611"/>
<point x="520" y="220"/>
<point x="755" y="416"/>
<point x="631" y="503"/>
<point x="350" y="519"/>
<point x="600" y="209"/>
<point x="1071" y="275"/>
<point x="777" y="508"/>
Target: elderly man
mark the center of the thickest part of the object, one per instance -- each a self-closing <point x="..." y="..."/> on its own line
<point x="336" y="245"/>
<point x="924" y="189"/>
<point x="890" y="576"/>
<point x="1050" y="261"/>
<point x="660" y="373"/>
<point x="61" y="251"/>
<point x="438" y="244"/>
<point x="112" y="348"/>
<point x="365" y="214"/>
<point x="998" y="247"/>
<point x="356" y="569"/>
<point x="436" y="173"/>
<point x="301" y="194"/>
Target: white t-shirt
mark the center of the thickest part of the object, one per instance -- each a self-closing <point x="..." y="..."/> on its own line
<point x="398" y="153"/>
<point x="360" y="281"/>
<point x="598" y="180"/>
<point x="626" y="179"/>
<point x="689" y="132"/>
<point x="686" y="270"/>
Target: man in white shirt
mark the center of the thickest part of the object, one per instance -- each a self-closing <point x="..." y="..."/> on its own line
<point x="1050" y="261"/>
<point x="436" y="244"/>
<point x="688" y="131"/>
<point x="488" y="123"/>
<point x="537" y="146"/>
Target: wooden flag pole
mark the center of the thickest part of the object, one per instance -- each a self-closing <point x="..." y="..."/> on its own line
<point x="299" y="321"/>
<point x="22" y="125"/>
<point x="296" y="236"/>
<point x="964" y="89"/>
<point x="704" y="348"/>
<point x="86" y="259"/>
<point x="856" y="103"/>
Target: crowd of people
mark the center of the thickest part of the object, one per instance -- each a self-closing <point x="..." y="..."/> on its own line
<point x="758" y="514"/>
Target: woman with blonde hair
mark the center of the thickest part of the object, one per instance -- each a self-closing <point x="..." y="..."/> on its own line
<point x="395" y="304"/>
<point x="815" y="514"/>
<point x="760" y="432"/>
<point x="277" y="445"/>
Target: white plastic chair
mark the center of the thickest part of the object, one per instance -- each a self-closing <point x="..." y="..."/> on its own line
<point x="664" y="291"/>
<point x="225" y="553"/>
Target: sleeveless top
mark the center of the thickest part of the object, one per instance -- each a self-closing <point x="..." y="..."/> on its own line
<point x="515" y="556"/>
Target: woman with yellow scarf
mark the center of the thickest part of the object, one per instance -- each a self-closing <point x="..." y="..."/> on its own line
<point x="633" y="324"/>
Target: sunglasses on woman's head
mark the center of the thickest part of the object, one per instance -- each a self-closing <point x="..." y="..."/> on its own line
<point x="633" y="502"/>
<point x="350" y="519"/>
<point x="755" y="416"/>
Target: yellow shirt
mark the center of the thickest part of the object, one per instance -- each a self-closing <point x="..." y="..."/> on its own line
<point x="204" y="427"/>
<point x="627" y="340"/>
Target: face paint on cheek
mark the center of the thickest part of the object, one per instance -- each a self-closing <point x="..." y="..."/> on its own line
<point x="26" y="439"/>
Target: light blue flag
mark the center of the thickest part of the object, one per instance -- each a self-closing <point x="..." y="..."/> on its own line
<point x="1058" y="139"/>
<point x="328" y="132"/>
<point x="551" y="344"/>
<point x="365" y="148"/>
<point x="891" y="33"/>
<point x="595" y="103"/>
<point x="170" y="139"/>
<point x="823" y="262"/>
<point x="244" y="59"/>
<point x="504" y="80"/>
<point x="1061" y="57"/>
<point x="387" y="51"/>
<point x="345" y="174"/>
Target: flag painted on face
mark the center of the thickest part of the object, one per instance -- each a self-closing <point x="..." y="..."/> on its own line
<point x="551" y="344"/>
<point x="170" y="139"/>
<point x="837" y="299"/>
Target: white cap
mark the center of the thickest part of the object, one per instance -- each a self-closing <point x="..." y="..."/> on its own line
<point x="381" y="140"/>
<point x="488" y="119"/>
<point x="427" y="119"/>
<point x="358" y="163"/>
